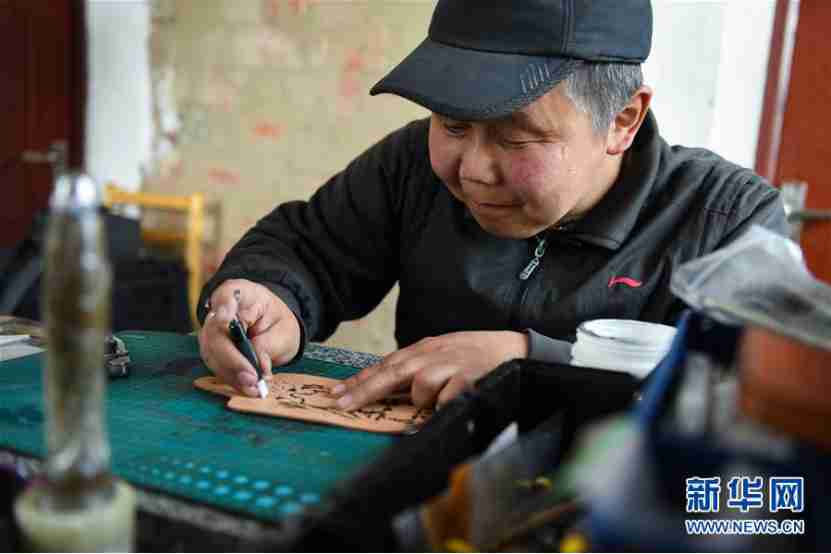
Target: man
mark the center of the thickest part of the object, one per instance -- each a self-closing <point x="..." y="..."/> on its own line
<point x="537" y="196"/>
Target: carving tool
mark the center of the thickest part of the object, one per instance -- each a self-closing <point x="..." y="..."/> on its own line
<point x="240" y="339"/>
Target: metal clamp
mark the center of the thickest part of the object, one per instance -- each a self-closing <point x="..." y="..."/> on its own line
<point x="56" y="156"/>
<point x="809" y="215"/>
<point x="117" y="359"/>
<point x="793" y="196"/>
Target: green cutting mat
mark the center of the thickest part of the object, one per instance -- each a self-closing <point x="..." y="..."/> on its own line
<point x="169" y="436"/>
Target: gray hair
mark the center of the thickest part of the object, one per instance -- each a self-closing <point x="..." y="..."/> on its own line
<point x="602" y="90"/>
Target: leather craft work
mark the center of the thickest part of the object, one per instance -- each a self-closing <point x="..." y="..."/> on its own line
<point x="307" y="398"/>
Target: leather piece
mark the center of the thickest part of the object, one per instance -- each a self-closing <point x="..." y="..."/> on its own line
<point x="306" y="398"/>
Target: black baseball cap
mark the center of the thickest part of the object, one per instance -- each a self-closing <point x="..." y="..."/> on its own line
<point x="484" y="59"/>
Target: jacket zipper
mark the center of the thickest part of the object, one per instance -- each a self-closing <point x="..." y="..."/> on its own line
<point x="535" y="261"/>
<point x="524" y="275"/>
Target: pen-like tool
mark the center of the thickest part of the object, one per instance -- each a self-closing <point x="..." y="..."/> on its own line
<point x="243" y="344"/>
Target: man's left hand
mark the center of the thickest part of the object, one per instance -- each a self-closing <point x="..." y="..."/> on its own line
<point x="435" y="369"/>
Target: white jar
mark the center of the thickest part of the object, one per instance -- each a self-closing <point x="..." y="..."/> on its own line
<point x="626" y="345"/>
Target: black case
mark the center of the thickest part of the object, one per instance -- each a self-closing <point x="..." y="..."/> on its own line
<point x="418" y="467"/>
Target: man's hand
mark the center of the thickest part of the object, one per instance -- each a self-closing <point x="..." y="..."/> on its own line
<point x="271" y="325"/>
<point x="435" y="369"/>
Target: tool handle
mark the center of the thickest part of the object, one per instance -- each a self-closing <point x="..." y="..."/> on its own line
<point x="243" y="344"/>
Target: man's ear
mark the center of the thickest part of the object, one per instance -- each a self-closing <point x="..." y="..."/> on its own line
<point x="625" y="126"/>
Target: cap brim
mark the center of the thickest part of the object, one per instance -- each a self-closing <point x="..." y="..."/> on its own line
<point x="472" y="85"/>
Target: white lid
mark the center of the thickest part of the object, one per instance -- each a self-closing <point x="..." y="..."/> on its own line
<point x="627" y="345"/>
<point x="627" y="333"/>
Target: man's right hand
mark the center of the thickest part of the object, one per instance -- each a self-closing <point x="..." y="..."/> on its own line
<point x="272" y="328"/>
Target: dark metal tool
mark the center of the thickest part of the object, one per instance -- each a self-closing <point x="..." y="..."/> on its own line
<point x="116" y="358"/>
<point x="240" y="339"/>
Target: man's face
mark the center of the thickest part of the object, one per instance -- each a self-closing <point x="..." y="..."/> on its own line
<point x="521" y="174"/>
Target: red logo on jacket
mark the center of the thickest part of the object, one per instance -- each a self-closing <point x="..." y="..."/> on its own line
<point x="628" y="281"/>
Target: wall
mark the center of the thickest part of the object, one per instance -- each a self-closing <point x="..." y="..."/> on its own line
<point x="256" y="102"/>
<point x="741" y="79"/>
<point x="260" y="102"/>
<point x="119" y="124"/>
<point x="708" y="67"/>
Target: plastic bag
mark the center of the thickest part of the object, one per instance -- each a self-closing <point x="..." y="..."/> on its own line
<point x="759" y="279"/>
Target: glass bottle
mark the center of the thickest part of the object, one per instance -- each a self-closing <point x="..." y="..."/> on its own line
<point x="79" y="506"/>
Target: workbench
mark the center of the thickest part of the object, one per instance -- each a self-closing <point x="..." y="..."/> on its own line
<point x="219" y="477"/>
<point x="209" y="479"/>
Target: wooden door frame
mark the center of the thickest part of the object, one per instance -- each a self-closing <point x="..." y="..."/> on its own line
<point x="52" y="78"/>
<point x="780" y="58"/>
<point x="79" y="84"/>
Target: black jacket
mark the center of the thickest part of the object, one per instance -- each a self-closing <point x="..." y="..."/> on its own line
<point x="387" y="217"/>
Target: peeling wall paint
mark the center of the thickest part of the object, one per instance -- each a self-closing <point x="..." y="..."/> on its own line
<point x="257" y="102"/>
<point x="119" y="125"/>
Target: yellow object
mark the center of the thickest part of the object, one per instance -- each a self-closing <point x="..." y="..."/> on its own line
<point x="543" y="482"/>
<point x="574" y="542"/>
<point x="447" y="518"/>
<point x="193" y="206"/>
<point x="458" y="545"/>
